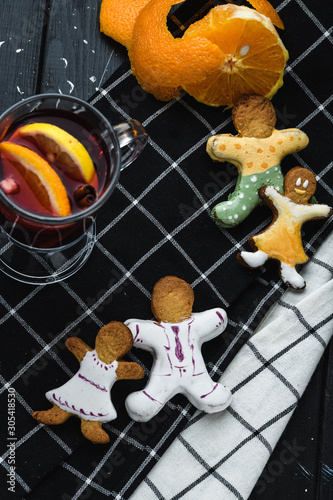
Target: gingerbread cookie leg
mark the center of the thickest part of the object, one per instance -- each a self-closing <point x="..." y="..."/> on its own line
<point x="53" y="416"/>
<point x="246" y="197"/>
<point x="252" y="259"/>
<point x="144" y="405"/>
<point x="209" y="396"/>
<point x="94" y="432"/>
<point x="290" y="276"/>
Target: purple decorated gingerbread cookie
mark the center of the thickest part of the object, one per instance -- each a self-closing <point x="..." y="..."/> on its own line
<point x="175" y="340"/>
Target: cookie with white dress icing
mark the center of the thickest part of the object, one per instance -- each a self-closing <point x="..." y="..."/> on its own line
<point x="282" y="239"/>
<point x="175" y="340"/>
<point x="87" y="394"/>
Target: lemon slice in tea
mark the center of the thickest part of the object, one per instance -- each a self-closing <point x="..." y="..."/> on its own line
<point x="42" y="179"/>
<point x="60" y="146"/>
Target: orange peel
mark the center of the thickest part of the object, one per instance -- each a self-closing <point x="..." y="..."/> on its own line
<point x="267" y="9"/>
<point x="117" y="18"/>
<point x="162" y="63"/>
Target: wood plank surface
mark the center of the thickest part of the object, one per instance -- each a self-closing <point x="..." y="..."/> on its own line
<point x="21" y="33"/>
<point x="78" y="57"/>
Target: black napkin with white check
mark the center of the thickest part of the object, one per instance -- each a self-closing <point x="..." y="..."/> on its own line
<point x="156" y="223"/>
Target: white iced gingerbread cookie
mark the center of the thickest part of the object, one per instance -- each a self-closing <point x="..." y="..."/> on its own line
<point x="87" y="394"/>
<point x="175" y="340"/>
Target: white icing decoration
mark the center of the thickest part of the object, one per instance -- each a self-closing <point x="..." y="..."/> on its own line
<point x="241" y="195"/>
<point x="87" y="394"/>
<point x="229" y="202"/>
<point x="291" y="276"/>
<point x="236" y="216"/>
<point x="178" y="365"/>
<point x="253" y="178"/>
<point x="244" y="207"/>
<point x="306" y="183"/>
<point x="299" y="182"/>
<point x="255" y="259"/>
<point x="230" y="217"/>
<point x="247" y="186"/>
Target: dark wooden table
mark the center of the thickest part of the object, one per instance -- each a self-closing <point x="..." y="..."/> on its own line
<point x="56" y="46"/>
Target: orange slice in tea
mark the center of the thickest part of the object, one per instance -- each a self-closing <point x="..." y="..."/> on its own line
<point x="43" y="181"/>
<point x="60" y="146"/>
<point x="254" y="55"/>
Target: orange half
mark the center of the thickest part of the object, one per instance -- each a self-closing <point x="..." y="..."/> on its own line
<point x="254" y="56"/>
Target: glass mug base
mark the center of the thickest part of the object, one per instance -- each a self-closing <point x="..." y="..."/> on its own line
<point x="42" y="267"/>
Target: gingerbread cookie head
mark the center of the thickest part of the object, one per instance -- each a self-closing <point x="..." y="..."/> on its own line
<point x="254" y="116"/>
<point x="172" y="300"/>
<point x="300" y="185"/>
<point x="113" y="341"/>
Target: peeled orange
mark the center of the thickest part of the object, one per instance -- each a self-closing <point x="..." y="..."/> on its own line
<point x="58" y="145"/>
<point x="253" y="55"/>
<point x="43" y="181"/>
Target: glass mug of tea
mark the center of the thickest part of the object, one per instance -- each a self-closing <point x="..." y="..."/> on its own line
<point x="47" y="212"/>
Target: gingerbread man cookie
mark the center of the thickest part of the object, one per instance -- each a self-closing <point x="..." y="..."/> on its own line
<point x="256" y="151"/>
<point x="87" y="394"/>
<point x="175" y="341"/>
<point x="282" y="240"/>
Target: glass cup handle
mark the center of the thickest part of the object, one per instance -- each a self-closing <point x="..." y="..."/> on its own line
<point x="132" y="139"/>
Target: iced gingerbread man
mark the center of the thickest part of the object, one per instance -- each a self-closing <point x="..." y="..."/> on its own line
<point x="282" y="240"/>
<point x="256" y="151"/>
<point x="87" y="394"/>
<point x="175" y="340"/>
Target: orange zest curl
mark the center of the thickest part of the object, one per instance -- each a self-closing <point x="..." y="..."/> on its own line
<point x="117" y="18"/>
<point x="162" y="63"/>
<point x="265" y="8"/>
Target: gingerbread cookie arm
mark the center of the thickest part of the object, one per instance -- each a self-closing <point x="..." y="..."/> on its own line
<point x="143" y="332"/>
<point x="271" y="196"/>
<point x="293" y="140"/>
<point x="77" y="347"/>
<point x="129" y="370"/>
<point x="209" y="324"/>
<point x="319" y="211"/>
<point x="226" y="147"/>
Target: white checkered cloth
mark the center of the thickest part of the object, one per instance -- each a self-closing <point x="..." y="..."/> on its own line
<point x="222" y="455"/>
